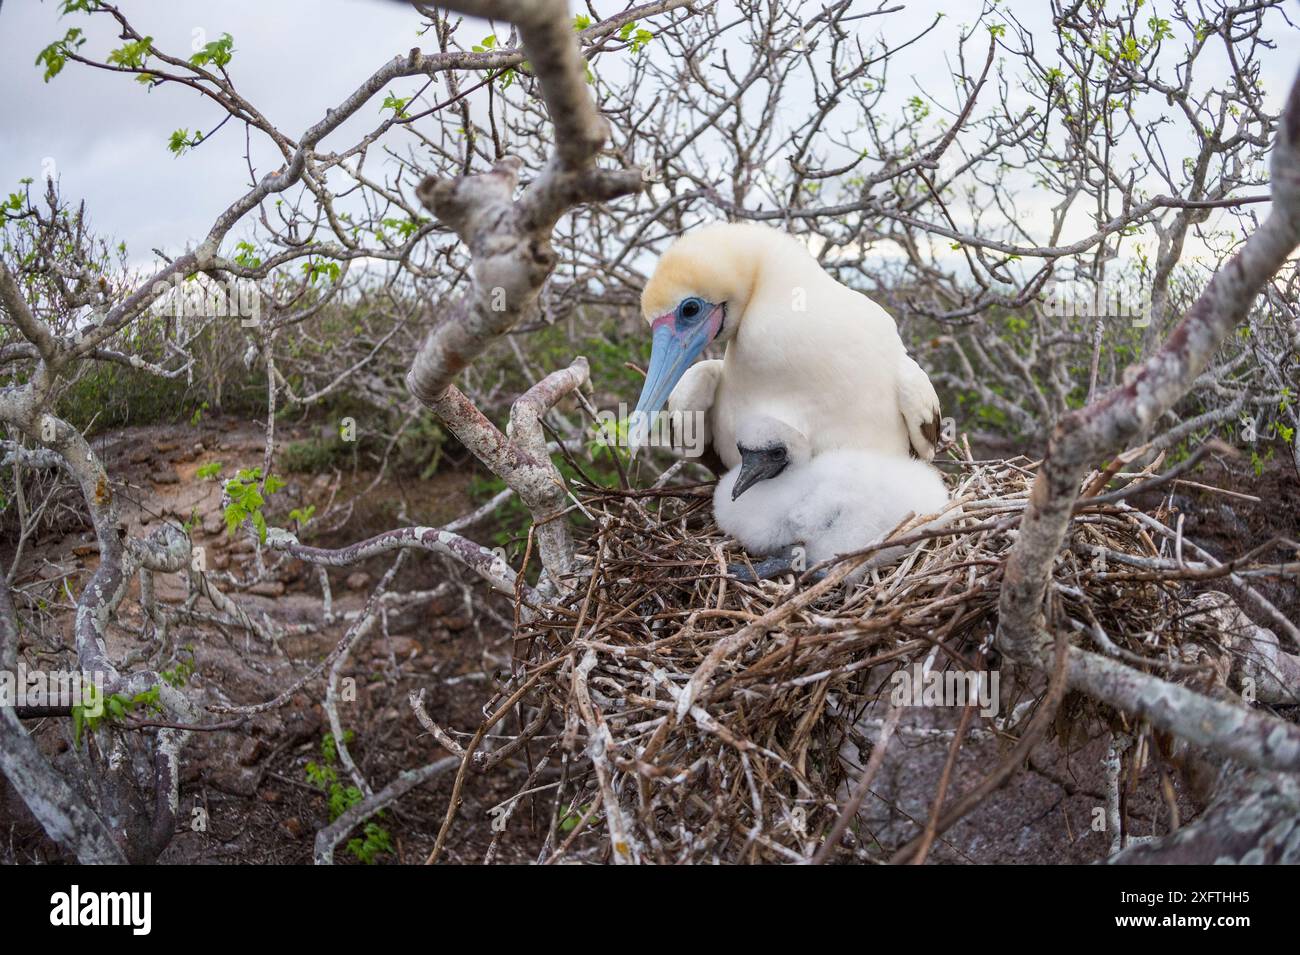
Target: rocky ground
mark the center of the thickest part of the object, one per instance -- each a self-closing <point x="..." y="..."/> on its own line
<point x="253" y="783"/>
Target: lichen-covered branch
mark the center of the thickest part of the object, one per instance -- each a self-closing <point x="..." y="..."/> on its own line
<point x="486" y="563"/>
<point x="1105" y="427"/>
<point x="62" y="813"/>
<point x="1253" y="819"/>
<point x="509" y="241"/>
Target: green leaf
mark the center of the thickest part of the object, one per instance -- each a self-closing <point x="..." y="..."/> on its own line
<point x="132" y="55"/>
<point x="244" y="255"/>
<point x="55" y="56"/>
<point x="397" y="104"/>
<point x="570" y="822"/>
<point x="328" y="268"/>
<point x="376" y="842"/>
<point x="217" y="53"/>
<point x="181" y="140"/>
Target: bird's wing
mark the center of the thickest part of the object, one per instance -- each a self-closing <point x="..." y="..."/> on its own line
<point x="920" y="407"/>
<point x="694" y="396"/>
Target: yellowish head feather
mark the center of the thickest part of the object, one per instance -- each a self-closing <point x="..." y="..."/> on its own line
<point x="719" y="263"/>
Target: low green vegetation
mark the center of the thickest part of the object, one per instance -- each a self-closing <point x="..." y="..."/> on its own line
<point x="374" y="841"/>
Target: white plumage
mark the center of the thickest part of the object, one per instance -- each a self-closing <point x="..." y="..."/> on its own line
<point x="694" y="395"/>
<point x="827" y="357"/>
<point x="831" y="504"/>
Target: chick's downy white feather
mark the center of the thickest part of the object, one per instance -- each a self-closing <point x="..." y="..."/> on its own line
<point x="830" y="504"/>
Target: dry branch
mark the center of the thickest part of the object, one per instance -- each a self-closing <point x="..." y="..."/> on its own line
<point x="1106" y="427"/>
<point x="509" y="241"/>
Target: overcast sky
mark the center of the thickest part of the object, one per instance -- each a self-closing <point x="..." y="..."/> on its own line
<point x="107" y="135"/>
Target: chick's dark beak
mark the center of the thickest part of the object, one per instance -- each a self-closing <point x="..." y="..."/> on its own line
<point x="756" y="465"/>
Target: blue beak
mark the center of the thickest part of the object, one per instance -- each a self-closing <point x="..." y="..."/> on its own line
<point x="672" y="351"/>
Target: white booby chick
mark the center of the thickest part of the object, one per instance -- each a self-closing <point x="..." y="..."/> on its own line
<point x="827" y="357"/>
<point x="780" y="496"/>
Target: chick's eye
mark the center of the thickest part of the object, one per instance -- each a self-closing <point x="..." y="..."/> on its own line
<point x="778" y="453"/>
<point x="690" y="308"/>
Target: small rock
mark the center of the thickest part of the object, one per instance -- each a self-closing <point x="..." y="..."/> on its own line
<point x="304" y="723"/>
<point x="269" y="795"/>
<point x="85" y="550"/>
<point x="401" y="647"/>
<point x="293" y="826"/>
<point x="214" y="524"/>
<point x="267" y="588"/>
<point x="454" y="623"/>
<point x="251" y="751"/>
<point x="221" y="561"/>
<point x="237" y="781"/>
<point x="164" y="476"/>
<point x="359" y="580"/>
<point x="440" y="606"/>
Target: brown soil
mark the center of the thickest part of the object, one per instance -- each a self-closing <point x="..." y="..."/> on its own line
<point x="252" y="782"/>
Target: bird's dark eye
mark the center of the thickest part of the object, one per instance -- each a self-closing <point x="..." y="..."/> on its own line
<point x="690" y="308"/>
<point x="778" y="453"/>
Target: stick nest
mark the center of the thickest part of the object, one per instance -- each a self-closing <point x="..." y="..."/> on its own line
<point x="702" y="719"/>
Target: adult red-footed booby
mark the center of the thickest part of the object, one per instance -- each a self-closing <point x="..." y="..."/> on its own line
<point x="825" y="358"/>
